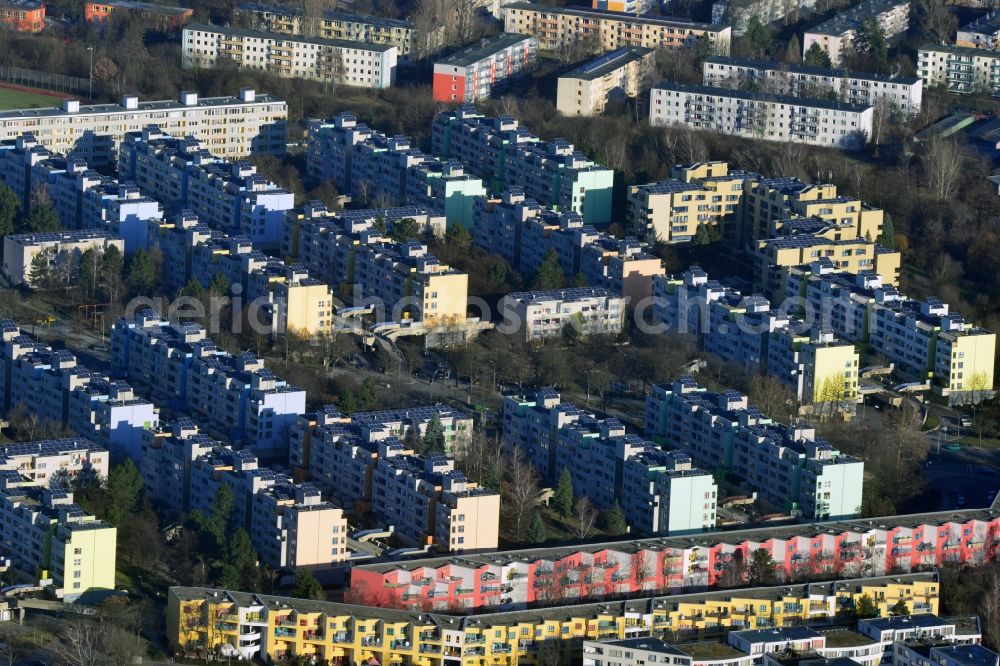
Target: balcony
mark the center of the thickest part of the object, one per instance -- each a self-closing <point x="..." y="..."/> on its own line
<point x="500" y="648"/>
<point x="371" y="641"/>
<point x="343" y="637"/>
<point x="284" y="632"/>
<point x="429" y="648"/>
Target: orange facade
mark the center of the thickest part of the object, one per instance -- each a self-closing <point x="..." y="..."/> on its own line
<point x="449" y="88"/>
<point x="160" y="15"/>
<point x="22" y="16"/>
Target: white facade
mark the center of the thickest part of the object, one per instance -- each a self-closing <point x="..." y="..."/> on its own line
<point x="547" y="314"/>
<point x="961" y="70"/>
<point x="40" y="460"/>
<point x="350" y="63"/>
<point x="839" y="33"/>
<point x="903" y="94"/>
<point x="233" y="127"/>
<point x="761" y="116"/>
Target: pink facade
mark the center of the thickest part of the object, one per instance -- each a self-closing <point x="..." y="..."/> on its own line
<point x="513" y="579"/>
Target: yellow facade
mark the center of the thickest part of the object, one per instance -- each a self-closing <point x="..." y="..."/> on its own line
<point x="308" y="306"/>
<point x="353" y="634"/>
<point x="445" y="297"/>
<point x="834" y="373"/>
<point x="776" y="256"/>
<point x="87" y="557"/>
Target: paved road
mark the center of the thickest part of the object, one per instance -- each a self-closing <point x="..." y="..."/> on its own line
<point x="965" y="479"/>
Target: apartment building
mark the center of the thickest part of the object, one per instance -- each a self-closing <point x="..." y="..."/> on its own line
<point x="281" y="296"/>
<point x="558" y="312"/>
<point x="703" y="194"/>
<point x="924" y="340"/>
<point x="362" y="460"/>
<point x="838" y="34"/>
<point x="659" y="492"/>
<point x="52" y="385"/>
<point x="235" y="396"/>
<point x="819" y="368"/>
<point x="982" y="32"/>
<point x="22" y="15"/>
<point x="738" y="13"/>
<point x="757" y="115"/>
<point x="960" y="69"/>
<point x="52" y="542"/>
<point x="902" y="94"/>
<point x="426" y="219"/>
<point x="478" y="71"/>
<point x="232" y="127"/>
<point x="504" y="154"/>
<point x="389" y="171"/>
<point x="675" y="564"/>
<point x="556" y="27"/>
<point x="635" y="7"/>
<point x="163" y="17"/>
<point x="920" y="652"/>
<point x="623" y="73"/>
<point x="68" y="459"/>
<point x="338" y="61"/>
<point x="183" y="173"/>
<point x="407" y="425"/>
<point x="648" y="650"/>
<point x="292" y="527"/>
<point x="288" y="19"/>
<point x="788" y="466"/>
<point x="58" y="251"/>
<point x="360" y="633"/>
<point x="403" y="282"/>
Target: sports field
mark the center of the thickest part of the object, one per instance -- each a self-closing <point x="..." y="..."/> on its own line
<point x="11" y="98"/>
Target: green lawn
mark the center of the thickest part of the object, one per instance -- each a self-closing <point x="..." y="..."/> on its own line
<point x="18" y="99"/>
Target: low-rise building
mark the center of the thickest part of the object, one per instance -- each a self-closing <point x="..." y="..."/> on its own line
<point x="337" y="61"/>
<point x="239" y="126"/>
<point x="360" y="633"/>
<point x="738" y="13"/>
<point x="477" y="72"/>
<point x="788" y="466"/>
<point x="556" y="27"/>
<point x="756" y="115"/>
<point x="184" y="174"/>
<point x="504" y="154"/>
<point x="179" y="365"/>
<point x="634" y="7"/>
<point x="614" y="76"/>
<point x="164" y="17"/>
<point x="574" y="311"/>
<point x="840" y="33"/>
<point x="981" y="33"/>
<point x="288" y="19"/>
<point x="960" y="69"/>
<point x="942" y="653"/>
<point x="51" y="255"/>
<point x="924" y="340"/>
<point x="22" y="15"/>
<point x="58" y="460"/>
<point x="903" y="94"/>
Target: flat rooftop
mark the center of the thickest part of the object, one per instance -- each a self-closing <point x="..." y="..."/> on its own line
<point x="607" y="63"/>
<point x="763" y="97"/>
<point x="667" y="21"/>
<point x="853" y="17"/>
<point x="769" y="65"/>
<point x="710" y="651"/>
<point x="284" y="37"/>
<point x="470" y="55"/>
<point x="162" y="105"/>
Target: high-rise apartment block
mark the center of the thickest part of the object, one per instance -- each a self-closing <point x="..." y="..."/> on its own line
<point x="55" y="460"/>
<point x="57" y="254"/>
<point x="551" y="313"/>
<point x="840" y="33"/>
<point x="232" y="127"/>
<point x="902" y="94"/>
<point x="923" y="340"/>
<point x="761" y="115"/>
<point x="788" y="466"/>
<point x="53" y="542"/>
<point x="183" y="173"/>
<point x="403" y="282"/>
<point x="523" y="232"/>
<point x="288" y="19"/>
<point x="556" y="27"/>
<point x="51" y="384"/>
<point x="179" y="365"/>
<point x="367" y="467"/>
<point x="336" y="61"/>
<point x="478" y="71"/>
<point x="389" y="171"/>
<point x="659" y="492"/>
<point x="504" y="154"/>
<point x="587" y="90"/>
<point x="426" y="219"/>
<point x="819" y="368"/>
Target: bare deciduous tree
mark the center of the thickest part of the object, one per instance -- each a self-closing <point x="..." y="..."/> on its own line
<point x="942" y="164"/>
<point x="519" y="490"/>
<point x="584" y="518"/>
